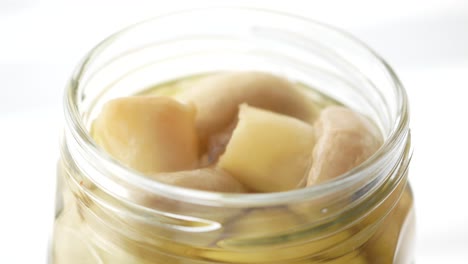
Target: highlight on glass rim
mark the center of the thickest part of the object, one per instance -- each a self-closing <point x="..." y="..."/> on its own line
<point x="267" y="139"/>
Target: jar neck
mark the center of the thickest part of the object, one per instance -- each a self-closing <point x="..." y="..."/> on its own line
<point x="357" y="183"/>
<point x="372" y="197"/>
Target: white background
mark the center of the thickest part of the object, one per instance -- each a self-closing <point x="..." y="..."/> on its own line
<point x="425" y="41"/>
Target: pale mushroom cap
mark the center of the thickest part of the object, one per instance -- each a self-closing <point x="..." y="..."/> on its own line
<point x="206" y="179"/>
<point x="149" y="134"/>
<point x="345" y="139"/>
<point x="218" y="97"/>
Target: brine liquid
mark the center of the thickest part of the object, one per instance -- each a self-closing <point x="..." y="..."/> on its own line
<point x="93" y="228"/>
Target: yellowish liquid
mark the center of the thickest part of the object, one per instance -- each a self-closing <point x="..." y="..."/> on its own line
<point x="94" y="228"/>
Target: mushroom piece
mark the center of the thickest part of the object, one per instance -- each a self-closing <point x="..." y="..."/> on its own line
<point x="206" y="179"/>
<point x="217" y="98"/>
<point x="148" y="133"/>
<point x="345" y="139"/>
<point x="268" y="152"/>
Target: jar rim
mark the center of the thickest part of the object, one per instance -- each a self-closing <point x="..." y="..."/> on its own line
<point x="80" y="134"/>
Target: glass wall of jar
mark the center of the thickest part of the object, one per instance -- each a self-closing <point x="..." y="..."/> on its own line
<point x="108" y="213"/>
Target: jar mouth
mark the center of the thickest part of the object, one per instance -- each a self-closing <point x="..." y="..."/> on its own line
<point x="78" y="135"/>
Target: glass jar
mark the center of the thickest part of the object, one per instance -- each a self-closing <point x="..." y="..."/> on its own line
<point x="107" y="213"/>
